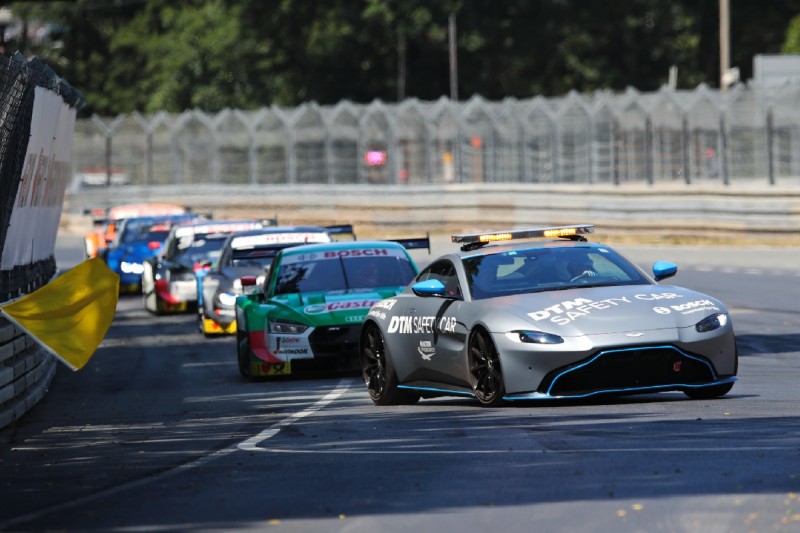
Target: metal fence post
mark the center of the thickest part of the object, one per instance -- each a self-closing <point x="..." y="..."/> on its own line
<point x="687" y="178"/>
<point x="723" y="150"/>
<point x="108" y="131"/>
<point x="770" y="146"/>
<point x="648" y="150"/>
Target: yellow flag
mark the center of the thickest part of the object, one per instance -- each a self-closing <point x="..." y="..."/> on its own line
<point x="70" y="315"/>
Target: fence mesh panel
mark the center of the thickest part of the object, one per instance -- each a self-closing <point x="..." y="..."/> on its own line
<point x="748" y="133"/>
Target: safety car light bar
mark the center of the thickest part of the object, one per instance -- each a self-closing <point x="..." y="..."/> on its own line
<point x="471" y="241"/>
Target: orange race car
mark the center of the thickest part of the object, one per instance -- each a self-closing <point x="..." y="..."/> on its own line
<point x="105" y="221"/>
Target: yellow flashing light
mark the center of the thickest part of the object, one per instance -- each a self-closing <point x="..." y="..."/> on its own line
<point x="492" y="237"/>
<point x="560" y="232"/>
<point x="476" y="240"/>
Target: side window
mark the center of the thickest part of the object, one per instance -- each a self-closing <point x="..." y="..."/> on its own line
<point x="445" y="272"/>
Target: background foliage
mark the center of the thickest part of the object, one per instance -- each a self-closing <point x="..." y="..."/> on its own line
<point x="172" y="55"/>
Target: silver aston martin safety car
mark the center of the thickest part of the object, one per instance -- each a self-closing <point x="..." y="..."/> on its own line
<point x="544" y="319"/>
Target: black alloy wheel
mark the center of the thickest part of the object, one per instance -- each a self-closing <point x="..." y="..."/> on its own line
<point x="377" y="371"/>
<point x="484" y="367"/>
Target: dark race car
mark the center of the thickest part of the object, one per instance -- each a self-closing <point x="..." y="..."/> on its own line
<point x="559" y="318"/>
<point x="308" y="315"/>
<point x="249" y="253"/>
<point x="169" y="281"/>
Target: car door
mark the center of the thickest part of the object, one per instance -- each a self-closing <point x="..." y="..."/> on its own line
<point x="438" y="337"/>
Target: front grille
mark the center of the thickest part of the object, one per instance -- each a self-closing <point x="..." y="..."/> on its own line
<point x="339" y="344"/>
<point x="628" y="368"/>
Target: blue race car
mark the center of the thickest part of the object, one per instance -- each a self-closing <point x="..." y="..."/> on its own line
<point x="138" y="239"/>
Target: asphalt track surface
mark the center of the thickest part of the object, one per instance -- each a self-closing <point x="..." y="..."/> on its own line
<point x="159" y="433"/>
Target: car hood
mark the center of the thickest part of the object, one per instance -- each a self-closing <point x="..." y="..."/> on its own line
<point x="601" y="310"/>
<point x="335" y="307"/>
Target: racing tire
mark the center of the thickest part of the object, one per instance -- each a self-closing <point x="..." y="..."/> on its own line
<point x="486" y="376"/>
<point x="149" y="290"/>
<point x="243" y="354"/>
<point x="151" y="302"/>
<point x="378" y="373"/>
<point x="708" y="393"/>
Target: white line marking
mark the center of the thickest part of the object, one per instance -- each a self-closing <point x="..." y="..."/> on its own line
<point x="251" y="444"/>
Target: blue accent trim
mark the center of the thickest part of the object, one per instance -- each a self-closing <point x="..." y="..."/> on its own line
<point x="654" y="388"/>
<point x="433" y="389"/>
<point x="639" y="348"/>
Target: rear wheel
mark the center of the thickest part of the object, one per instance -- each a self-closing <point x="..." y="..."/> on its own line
<point x="243" y="353"/>
<point x="484" y="370"/>
<point x="377" y="371"/>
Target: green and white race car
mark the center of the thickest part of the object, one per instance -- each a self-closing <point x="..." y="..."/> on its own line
<point x="307" y="318"/>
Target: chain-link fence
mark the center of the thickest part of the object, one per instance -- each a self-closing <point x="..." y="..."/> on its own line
<point x="747" y="133"/>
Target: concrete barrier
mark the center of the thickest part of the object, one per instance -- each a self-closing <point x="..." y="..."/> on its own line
<point x="666" y="212"/>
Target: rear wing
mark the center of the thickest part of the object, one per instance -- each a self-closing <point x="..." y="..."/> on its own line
<point x="415" y="243"/>
<point x="99" y="215"/>
<point x="340" y="229"/>
<point x="258" y="253"/>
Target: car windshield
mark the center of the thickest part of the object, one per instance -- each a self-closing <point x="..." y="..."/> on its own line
<point x="156" y="235"/>
<point x="200" y="246"/>
<point x="343" y="273"/>
<point x="541" y="269"/>
<point x="141" y="229"/>
<point x="135" y="231"/>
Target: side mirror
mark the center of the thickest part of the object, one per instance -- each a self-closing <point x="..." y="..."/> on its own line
<point x="664" y="270"/>
<point x="430" y="287"/>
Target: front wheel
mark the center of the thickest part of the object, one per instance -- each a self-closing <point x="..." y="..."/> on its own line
<point x="243" y="353"/>
<point x="484" y="370"/>
<point x="377" y="371"/>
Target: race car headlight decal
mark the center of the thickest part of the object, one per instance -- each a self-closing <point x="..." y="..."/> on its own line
<point x="227" y="299"/>
<point x="712" y="322"/>
<point x="286" y="326"/>
<point x="534" y="337"/>
<point x="131" y="268"/>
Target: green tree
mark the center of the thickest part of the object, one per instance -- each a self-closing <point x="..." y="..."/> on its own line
<point x="172" y="55"/>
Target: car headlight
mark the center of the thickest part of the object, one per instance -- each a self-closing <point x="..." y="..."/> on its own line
<point x="534" y="337"/>
<point x="286" y="326"/>
<point x="711" y="322"/>
<point x="131" y="268"/>
<point x="227" y="299"/>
